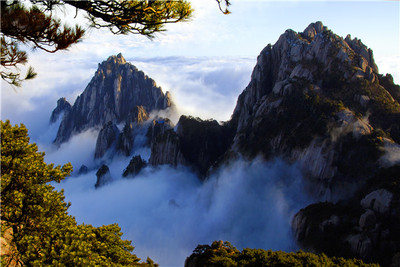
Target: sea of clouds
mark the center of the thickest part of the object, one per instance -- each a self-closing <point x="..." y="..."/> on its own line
<point x="167" y="211"/>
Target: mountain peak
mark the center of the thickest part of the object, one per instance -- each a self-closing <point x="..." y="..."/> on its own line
<point x="118" y="59"/>
<point x="314" y="68"/>
<point x="115" y="89"/>
<point x="63" y="106"/>
<point x="313" y="29"/>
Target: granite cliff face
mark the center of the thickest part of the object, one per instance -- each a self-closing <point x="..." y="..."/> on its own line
<point x="308" y="101"/>
<point x="318" y="99"/>
<point x="116" y="88"/>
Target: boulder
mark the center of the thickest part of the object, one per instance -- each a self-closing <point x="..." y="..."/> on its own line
<point x="379" y="201"/>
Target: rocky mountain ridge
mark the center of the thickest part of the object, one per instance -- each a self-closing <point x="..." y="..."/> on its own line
<point x="310" y="92"/>
<point x="315" y="99"/>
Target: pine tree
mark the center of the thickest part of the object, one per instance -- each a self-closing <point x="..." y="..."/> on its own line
<point x="35" y="223"/>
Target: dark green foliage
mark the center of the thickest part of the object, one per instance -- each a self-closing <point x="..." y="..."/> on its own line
<point x="34" y="216"/>
<point x="224" y="254"/>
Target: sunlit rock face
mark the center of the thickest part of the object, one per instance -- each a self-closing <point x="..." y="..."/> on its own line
<point x="312" y="95"/>
<point x="116" y="88"/>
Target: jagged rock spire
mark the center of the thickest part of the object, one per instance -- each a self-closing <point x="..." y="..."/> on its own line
<point x="115" y="89"/>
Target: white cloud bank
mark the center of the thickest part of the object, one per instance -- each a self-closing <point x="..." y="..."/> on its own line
<point x="167" y="212"/>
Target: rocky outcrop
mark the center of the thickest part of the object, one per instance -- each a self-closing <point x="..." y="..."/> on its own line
<point x="137" y="117"/>
<point x="106" y="138"/>
<point x="164" y="144"/>
<point x="365" y="226"/>
<point x="367" y="220"/>
<point x="203" y="142"/>
<point x="62" y="109"/>
<point x="159" y="127"/>
<point x="367" y="57"/>
<point x="115" y="89"/>
<point x="125" y="140"/>
<point x="135" y="166"/>
<point x="83" y="169"/>
<point x="197" y="143"/>
<point x="103" y="176"/>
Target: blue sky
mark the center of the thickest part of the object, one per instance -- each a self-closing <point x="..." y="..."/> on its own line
<point x="206" y="62"/>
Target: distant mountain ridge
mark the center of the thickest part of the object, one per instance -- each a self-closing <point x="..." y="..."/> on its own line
<point x="116" y="88"/>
